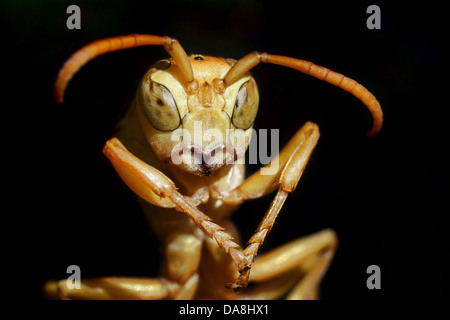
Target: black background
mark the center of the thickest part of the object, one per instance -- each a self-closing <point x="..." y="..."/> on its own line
<point x="384" y="196"/>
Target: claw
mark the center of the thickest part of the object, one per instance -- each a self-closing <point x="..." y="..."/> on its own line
<point x="241" y="282"/>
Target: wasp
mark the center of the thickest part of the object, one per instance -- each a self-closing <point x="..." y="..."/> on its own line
<point x="189" y="181"/>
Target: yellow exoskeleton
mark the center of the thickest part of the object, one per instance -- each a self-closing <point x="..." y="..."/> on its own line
<point x="190" y="180"/>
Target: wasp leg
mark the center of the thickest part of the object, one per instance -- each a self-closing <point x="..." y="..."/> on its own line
<point x="156" y="188"/>
<point x="310" y="255"/>
<point x="180" y="278"/>
<point x="217" y="269"/>
<point x="114" y="288"/>
<point x="270" y="290"/>
<point x="292" y="271"/>
<point x="285" y="171"/>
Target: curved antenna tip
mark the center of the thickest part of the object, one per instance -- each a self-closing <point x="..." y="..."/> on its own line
<point x="375" y="130"/>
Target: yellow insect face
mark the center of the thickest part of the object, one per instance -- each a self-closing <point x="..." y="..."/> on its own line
<point x="200" y="127"/>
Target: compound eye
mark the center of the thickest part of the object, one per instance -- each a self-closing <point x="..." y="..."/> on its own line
<point x="246" y="105"/>
<point x="159" y="107"/>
